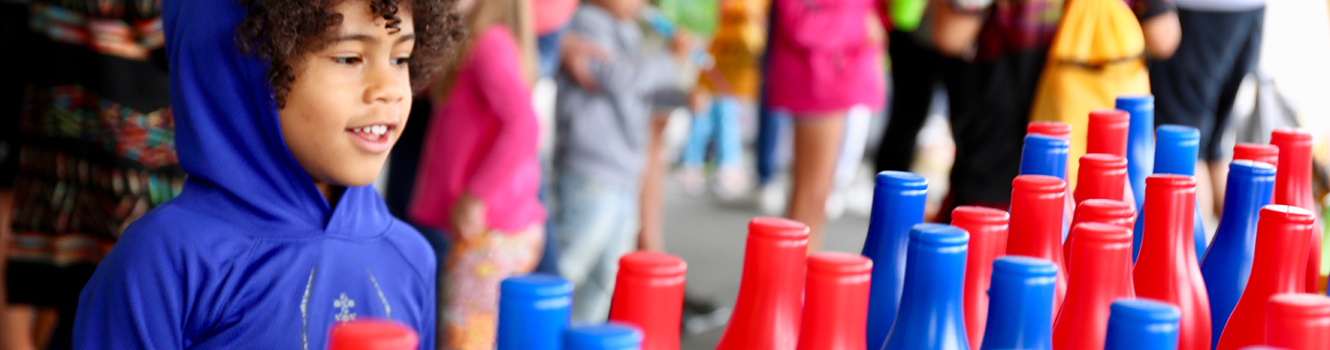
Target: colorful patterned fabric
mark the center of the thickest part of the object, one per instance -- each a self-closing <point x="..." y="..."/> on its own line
<point x="471" y="290"/>
<point x="87" y="167"/>
<point x="125" y="28"/>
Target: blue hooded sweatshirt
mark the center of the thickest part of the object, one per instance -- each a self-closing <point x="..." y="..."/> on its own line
<point x="250" y="255"/>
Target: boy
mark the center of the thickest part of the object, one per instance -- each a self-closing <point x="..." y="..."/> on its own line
<point x="285" y="111"/>
<point x="602" y="119"/>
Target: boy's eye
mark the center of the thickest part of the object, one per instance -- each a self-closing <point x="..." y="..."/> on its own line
<point x="401" y="61"/>
<point x="347" y="60"/>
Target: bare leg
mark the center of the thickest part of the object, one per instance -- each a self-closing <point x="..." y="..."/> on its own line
<point x="18" y="333"/>
<point x="1219" y="179"/>
<point x="47" y="320"/>
<point x="817" y="141"/>
<point x="650" y="237"/>
<point x="6" y="208"/>
<point x="1205" y="198"/>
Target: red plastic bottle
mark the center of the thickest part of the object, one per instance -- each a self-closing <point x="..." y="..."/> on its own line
<point x="1293" y="186"/>
<point x="648" y="293"/>
<point x="1105" y="211"/>
<point x="370" y="334"/>
<point x="1281" y="244"/>
<point x="767" y="314"/>
<point x="1166" y="269"/>
<point x="1098" y="277"/>
<point x="1256" y="152"/>
<point x="1101" y="176"/>
<point x="1298" y="322"/>
<point x="1036" y="224"/>
<point x="836" y="304"/>
<point x="988" y="241"/>
<point x="1106" y="132"/>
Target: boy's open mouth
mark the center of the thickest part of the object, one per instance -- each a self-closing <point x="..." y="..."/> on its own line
<point x="373" y="138"/>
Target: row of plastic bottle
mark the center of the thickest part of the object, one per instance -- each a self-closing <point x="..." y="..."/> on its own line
<point x="1101" y="216"/>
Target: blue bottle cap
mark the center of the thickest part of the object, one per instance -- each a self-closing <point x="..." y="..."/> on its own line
<point x="1144" y="310"/>
<point x="939" y="235"/>
<point x="1176" y="149"/>
<point x="1135" y="103"/>
<point x="901" y="179"/>
<point x="1252" y="168"/>
<point x="1024" y="266"/>
<point x="609" y="336"/>
<point x="1045" y="155"/>
<point x="536" y="285"/>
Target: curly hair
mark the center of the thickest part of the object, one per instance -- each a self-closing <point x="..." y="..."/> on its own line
<point x="283" y="31"/>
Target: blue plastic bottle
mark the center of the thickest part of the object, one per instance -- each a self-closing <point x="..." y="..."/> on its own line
<point x="533" y="312"/>
<point x="1020" y="308"/>
<point x="1175" y="153"/>
<point x="609" y="336"/>
<point x="931" y="315"/>
<point x="1142" y="324"/>
<point x="1140" y="142"/>
<point x="1227" y="263"/>
<point x="898" y="204"/>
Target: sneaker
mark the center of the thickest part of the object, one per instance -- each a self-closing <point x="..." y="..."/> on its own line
<point x="771" y="198"/>
<point x="694" y="181"/>
<point x="701" y="314"/>
<point x="731" y="184"/>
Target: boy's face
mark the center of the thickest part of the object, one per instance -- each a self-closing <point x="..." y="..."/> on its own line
<point x="350" y="101"/>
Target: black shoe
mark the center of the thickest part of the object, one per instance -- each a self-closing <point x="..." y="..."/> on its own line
<point x="701" y="314"/>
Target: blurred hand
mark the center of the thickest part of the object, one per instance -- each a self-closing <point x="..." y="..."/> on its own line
<point x="682" y="45"/>
<point x="468" y="217"/>
<point x="576" y="53"/>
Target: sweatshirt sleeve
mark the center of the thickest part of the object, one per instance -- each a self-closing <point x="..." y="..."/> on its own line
<point x="624" y="72"/>
<point x="498" y="74"/>
<point x="135" y="299"/>
<point x="821" y="24"/>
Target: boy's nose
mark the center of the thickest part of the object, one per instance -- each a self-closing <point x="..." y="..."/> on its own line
<point x="385" y="87"/>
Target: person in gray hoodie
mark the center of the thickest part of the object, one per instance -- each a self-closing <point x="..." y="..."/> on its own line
<point x="602" y="119"/>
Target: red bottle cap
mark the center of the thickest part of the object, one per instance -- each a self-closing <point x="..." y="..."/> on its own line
<point x="1106" y="132"/>
<point x="1107" y="211"/>
<point x="836" y="304"/>
<point x="1036" y="224"/>
<point x="1098" y="276"/>
<point x="1256" y="152"/>
<point x="1298" y="321"/>
<point x="369" y="334"/>
<point x="988" y="241"/>
<point x="1167" y="268"/>
<point x="1101" y="176"/>
<point x="648" y="293"/>
<point x="1055" y="129"/>
<point x="1282" y="235"/>
<point x="768" y="310"/>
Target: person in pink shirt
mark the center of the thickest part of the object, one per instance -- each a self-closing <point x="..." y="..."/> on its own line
<point x="479" y="175"/>
<point x="821" y="62"/>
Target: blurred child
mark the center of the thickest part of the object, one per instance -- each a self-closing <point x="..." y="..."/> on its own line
<point x="723" y="95"/>
<point x="284" y="118"/>
<point x="602" y="117"/>
<point x="479" y="174"/>
<point x="822" y="62"/>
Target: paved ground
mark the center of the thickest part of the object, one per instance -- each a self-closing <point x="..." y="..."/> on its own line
<point x="710" y="236"/>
